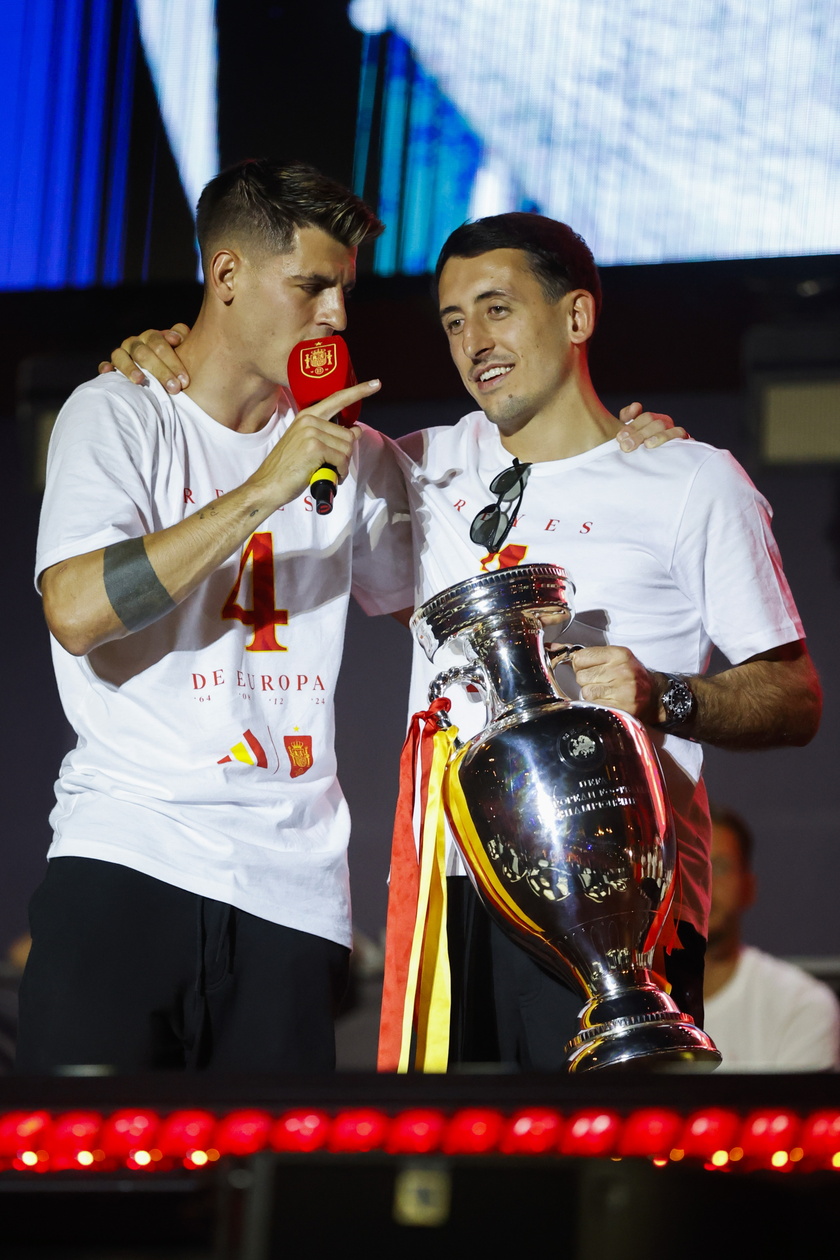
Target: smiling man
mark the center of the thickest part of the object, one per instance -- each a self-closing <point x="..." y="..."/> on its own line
<point x="668" y="552"/>
<point x="195" y="911"/>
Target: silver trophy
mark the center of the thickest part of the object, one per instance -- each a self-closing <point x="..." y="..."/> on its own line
<point x="560" y="812"/>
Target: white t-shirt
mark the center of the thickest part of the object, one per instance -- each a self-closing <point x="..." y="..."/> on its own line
<point x="771" y="1016"/>
<point x="205" y="752"/>
<point x="669" y="552"/>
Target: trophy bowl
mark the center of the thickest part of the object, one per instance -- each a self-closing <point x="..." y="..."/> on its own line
<point x="560" y="812"/>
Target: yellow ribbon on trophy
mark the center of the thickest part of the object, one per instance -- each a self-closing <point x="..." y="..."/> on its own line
<point x="428" y="993"/>
<point x="416" y="999"/>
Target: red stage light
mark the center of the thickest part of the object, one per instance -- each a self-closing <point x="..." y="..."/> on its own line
<point x="23" y="1138"/>
<point x="416" y="1132"/>
<point x="709" y="1135"/>
<point x="187" y="1135"/>
<point x="820" y="1140"/>
<point x="473" y="1131"/>
<point x="137" y="1137"/>
<point x="243" y="1132"/>
<point x="591" y="1132"/>
<point x="128" y="1133"/>
<point x="767" y="1138"/>
<point x="303" y="1130"/>
<point x="74" y="1140"/>
<point x="651" y="1132"/>
<point x="362" y="1129"/>
<point x="535" y="1131"/>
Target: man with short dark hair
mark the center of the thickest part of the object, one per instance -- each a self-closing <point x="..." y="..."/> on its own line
<point x="668" y="554"/>
<point x="195" y="911"/>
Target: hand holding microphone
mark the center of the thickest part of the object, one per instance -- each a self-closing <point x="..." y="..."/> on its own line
<point x="318" y="369"/>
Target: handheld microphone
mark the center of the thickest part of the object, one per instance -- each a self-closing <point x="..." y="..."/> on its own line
<point x="317" y="369"/>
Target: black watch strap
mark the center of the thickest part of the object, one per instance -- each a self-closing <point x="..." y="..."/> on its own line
<point x="679" y="703"/>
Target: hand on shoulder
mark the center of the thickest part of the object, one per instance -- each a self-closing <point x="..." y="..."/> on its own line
<point x="646" y="428"/>
<point x="153" y="351"/>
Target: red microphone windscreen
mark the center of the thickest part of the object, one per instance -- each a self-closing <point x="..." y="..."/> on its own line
<point x="319" y="368"/>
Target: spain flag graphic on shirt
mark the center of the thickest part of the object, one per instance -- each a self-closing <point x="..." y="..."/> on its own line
<point x="250" y="751"/>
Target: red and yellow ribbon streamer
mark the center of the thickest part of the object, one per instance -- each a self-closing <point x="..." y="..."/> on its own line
<point x="414" y="1024"/>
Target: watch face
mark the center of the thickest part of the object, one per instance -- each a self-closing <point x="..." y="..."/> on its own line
<point x="678" y="702"/>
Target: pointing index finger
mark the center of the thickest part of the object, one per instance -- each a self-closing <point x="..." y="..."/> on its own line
<point x="329" y="408"/>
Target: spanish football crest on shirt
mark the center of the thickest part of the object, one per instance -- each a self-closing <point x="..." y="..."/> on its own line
<point x="299" y="749"/>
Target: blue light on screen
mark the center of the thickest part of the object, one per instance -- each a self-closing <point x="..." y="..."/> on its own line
<point x="430" y="159"/>
<point x="661" y="130"/>
<point x="66" y="108"/>
<point x="59" y="184"/>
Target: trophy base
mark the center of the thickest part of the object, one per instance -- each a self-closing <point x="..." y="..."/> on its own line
<point x="651" y="1042"/>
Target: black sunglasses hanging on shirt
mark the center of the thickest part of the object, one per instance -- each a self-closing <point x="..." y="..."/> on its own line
<point x="494" y="522"/>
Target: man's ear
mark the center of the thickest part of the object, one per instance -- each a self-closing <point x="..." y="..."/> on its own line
<point x="221" y="275"/>
<point x="581" y="311"/>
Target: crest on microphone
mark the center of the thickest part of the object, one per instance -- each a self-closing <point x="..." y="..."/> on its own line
<point x="318" y="360"/>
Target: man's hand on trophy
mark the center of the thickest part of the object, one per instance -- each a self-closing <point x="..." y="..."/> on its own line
<point x="645" y="428"/>
<point x="613" y="676"/>
<point x="153" y="352"/>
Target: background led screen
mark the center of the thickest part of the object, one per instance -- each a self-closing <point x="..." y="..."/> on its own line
<point x="662" y="130"/>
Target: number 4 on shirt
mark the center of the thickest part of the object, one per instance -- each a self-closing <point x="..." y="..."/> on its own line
<point x="262" y="616"/>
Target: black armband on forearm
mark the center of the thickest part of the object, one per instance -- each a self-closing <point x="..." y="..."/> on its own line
<point x="137" y="595"/>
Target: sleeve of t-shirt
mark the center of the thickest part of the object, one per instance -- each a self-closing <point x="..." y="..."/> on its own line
<point x="726" y="561"/>
<point x="382" y="564"/>
<point x="99" y="471"/>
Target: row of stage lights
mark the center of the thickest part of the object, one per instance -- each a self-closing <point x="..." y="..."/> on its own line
<point x="142" y="1139"/>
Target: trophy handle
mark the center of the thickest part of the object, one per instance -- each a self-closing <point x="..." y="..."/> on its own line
<point x="561" y="655"/>
<point x="462" y="674"/>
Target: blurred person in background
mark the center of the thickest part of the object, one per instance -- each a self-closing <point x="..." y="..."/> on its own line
<point x="764" y="1014"/>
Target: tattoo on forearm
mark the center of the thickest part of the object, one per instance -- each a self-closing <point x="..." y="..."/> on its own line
<point x="137" y="595"/>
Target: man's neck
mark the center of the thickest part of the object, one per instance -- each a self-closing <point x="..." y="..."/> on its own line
<point x="575" y="421"/>
<point x="721" y="961"/>
<point x="238" y="398"/>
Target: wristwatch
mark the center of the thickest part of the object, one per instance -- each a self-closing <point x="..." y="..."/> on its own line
<point x="679" y="703"/>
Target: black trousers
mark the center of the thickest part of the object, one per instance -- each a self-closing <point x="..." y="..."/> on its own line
<point x="509" y="1011"/>
<point x="130" y="974"/>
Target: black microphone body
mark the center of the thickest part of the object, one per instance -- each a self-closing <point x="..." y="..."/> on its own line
<point x="322" y="484"/>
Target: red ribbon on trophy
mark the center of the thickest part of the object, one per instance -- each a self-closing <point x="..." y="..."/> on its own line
<point x="414" y="1023"/>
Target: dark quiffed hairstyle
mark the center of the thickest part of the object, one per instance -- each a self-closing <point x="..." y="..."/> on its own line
<point x="728" y="818"/>
<point x="559" y="258"/>
<point x="262" y="203"/>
